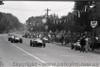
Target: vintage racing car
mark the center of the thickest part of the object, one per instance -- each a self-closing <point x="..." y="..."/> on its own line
<point x="10" y="35"/>
<point x="95" y="43"/>
<point x="14" y="38"/>
<point x="76" y="45"/>
<point x="46" y="39"/>
<point x="37" y="42"/>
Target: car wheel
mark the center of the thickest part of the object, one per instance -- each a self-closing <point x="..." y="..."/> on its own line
<point x="12" y="41"/>
<point x="33" y="44"/>
<point x="30" y="43"/>
<point x="21" y="40"/>
<point x="44" y="45"/>
<point x="92" y="49"/>
<point x="72" y="47"/>
<point x="76" y="47"/>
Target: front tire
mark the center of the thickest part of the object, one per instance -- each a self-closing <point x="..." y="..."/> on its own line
<point x="44" y="45"/>
<point x="21" y="41"/>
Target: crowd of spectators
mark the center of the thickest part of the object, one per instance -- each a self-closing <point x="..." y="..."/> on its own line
<point x="67" y="38"/>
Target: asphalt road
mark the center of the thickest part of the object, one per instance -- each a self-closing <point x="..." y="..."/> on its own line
<point x="22" y="55"/>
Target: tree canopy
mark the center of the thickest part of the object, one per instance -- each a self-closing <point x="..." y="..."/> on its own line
<point x="8" y="22"/>
<point x="86" y="13"/>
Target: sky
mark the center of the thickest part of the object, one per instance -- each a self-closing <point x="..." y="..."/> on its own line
<point x="25" y="9"/>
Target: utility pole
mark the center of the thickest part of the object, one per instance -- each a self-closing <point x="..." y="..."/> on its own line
<point x="47" y="10"/>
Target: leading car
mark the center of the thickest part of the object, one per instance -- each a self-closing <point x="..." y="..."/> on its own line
<point x="37" y="42"/>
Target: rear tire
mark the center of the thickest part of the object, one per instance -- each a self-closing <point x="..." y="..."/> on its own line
<point x="92" y="49"/>
<point x="72" y="47"/>
<point x="8" y="39"/>
<point x="21" y="41"/>
<point x="31" y="43"/>
<point x="12" y="41"/>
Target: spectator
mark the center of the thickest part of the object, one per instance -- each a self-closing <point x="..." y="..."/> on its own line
<point x="87" y="46"/>
<point x="62" y="39"/>
<point x="82" y="43"/>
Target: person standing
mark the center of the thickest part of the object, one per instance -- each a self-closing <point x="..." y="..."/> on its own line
<point x="87" y="46"/>
<point x="82" y="43"/>
<point x="62" y="39"/>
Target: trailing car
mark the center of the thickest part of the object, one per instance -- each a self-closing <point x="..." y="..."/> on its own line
<point x="14" y="39"/>
<point x="10" y="35"/>
<point x="76" y="45"/>
<point x="46" y="39"/>
<point x="27" y="36"/>
<point x="95" y="44"/>
<point x="37" y="42"/>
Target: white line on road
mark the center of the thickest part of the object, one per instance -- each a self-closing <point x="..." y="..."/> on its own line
<point x="28" y="53"/>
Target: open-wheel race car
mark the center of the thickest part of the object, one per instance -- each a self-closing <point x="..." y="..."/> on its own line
<point x="10" y="35"/>
<point x="95" y="44"/>
<point x="76" y="45"/>
<point x="46" y="39"/>
<point x="37" y="42"/>
<point x="14" y="38"/>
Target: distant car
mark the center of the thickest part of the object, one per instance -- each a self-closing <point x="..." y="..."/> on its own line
<point x="37" y="42"/>
<point x="46" y="39"/>
<point x="76" y="45"/>
<point x="10" y="35"/>
<point x="95" y="44"/>
<point x="14" y="39"/>
<point x="26" y="36"/>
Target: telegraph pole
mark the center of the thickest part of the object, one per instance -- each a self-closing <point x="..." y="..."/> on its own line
<point x="47" y="13"/>
<point x="47" y="10"/>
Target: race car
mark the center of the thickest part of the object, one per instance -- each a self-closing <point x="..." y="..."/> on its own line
<point x="46" y="39"/>
<point x="76" y="45"/>
<point x="37" y="42"/>
<point x="14" y="38"/>
<point x="26" y="35"/>
<point x="95" y="45"/>
<point x="10" y="35"/>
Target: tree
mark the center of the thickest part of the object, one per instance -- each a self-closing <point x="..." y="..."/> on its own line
<point x="34" y="23"/>
<point x="83" y="14"/>
<point x="8" y="22"/>
<point x="87" y="14"/>
<point x="68" y="22"/>
<point x="52" y="22"/>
